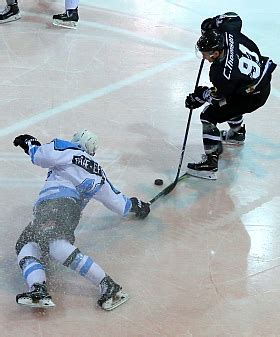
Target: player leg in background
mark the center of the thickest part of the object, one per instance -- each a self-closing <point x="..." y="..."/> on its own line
<point x="70" y="18"/>
<point x="34" y="274"/>
<point x="236" y="133"/>
<point x="11" y="12"/>
<point x="111" y="294"/>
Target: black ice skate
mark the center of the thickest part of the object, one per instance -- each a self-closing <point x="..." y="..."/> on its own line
<point x="10" y="13"/>
<point x="111" y="294"/>
<point x="37" y="298"/>
<point x="232" y="137"/>
<point x="69" y="19"/>
<point x="140" y="208"/>
<point x="206" y="168"/>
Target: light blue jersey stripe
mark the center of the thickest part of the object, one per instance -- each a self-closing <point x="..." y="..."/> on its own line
<point x="57" y="192"/>
<point x="32" y="152"/>
<point x="127" y="206"/>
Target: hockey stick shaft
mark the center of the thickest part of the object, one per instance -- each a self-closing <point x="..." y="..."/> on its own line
<point x="170" y="187"/>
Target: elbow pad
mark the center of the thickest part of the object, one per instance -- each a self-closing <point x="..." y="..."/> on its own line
<point x="229" y="21"/>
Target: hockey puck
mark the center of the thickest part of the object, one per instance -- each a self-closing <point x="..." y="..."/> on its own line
<point x="159" y="182"/>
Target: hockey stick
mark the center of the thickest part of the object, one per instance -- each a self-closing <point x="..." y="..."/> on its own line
<point x="171" y="187"/>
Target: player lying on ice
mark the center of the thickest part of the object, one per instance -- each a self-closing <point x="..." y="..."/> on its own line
<point x="74" y="177"/>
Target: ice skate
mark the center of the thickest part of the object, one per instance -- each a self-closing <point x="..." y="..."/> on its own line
<point x="207" y="168"/>
<point x="36" y="298"/>
<point x="111" y="294"/>
<point x="232" y="137"/>
<point x="10" y="13"/>
<point x="69" y="19"/>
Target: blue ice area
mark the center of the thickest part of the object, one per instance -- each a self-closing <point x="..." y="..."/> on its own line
<point x="260" y="19"/>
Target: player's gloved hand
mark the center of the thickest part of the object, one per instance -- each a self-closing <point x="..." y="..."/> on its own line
<point x="197" y="99"/>
<point x="193" y="102"/>
<point x="140" y="208"/>
<point x="203" y="93"/>
<point x="24" y="141"/>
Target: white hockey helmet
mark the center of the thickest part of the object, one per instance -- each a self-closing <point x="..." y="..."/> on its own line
<point x="87" y="141"/>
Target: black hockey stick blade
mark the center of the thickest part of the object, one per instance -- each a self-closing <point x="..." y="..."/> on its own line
<point x="168" y="188"/>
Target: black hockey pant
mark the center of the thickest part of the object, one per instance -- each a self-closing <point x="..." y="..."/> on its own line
<point x="232" y="113"/>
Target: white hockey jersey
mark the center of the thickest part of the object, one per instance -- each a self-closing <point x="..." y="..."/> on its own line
<point x="73" y="173"/>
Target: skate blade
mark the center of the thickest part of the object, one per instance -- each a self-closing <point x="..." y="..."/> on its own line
<point x="69" y="24"/>
<point x="113" y="303"/>
<point x="44" y="303"/>
<point x="11" y="18"/>
<point x="210" y="175"/>
<point x="231" y="143"/>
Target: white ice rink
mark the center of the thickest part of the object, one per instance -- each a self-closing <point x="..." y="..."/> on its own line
<point x="206" y="262"/>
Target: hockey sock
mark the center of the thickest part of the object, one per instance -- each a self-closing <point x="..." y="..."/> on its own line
<point x="71" y="256"/>
<point x="211" y="137"/>
<point x="29" y="261"/>
<point x="71" y="4"/>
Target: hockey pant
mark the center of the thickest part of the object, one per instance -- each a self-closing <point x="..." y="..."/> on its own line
<point x="232" y="113"/>
<point x="52" y="231"/>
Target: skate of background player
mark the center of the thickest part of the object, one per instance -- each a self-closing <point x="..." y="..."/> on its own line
<point x="205" y="262"/>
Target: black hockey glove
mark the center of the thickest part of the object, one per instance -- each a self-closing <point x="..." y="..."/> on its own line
<point x="140" y="208"/>
<point x="197" y="99"/>
<point x="24" y="140"/>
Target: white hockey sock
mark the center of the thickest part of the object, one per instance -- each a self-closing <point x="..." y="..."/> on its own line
<point x="62" y="250"/>
<point x="29" y="260"/>
<point x="71" y="4"/>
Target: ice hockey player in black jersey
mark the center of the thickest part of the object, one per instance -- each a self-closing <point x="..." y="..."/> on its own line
<point x="241" y="78"/>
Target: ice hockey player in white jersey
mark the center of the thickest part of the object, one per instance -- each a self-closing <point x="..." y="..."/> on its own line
<point x="74" y="178"/>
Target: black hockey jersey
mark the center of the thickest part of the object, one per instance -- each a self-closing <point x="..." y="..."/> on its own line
<point x="242" y="70"/>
